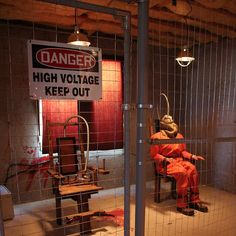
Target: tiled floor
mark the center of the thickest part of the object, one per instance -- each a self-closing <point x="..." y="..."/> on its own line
<point x="38" y="218"/>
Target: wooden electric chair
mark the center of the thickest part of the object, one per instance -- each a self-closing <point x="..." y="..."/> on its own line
<point x="154" y="127"/>
<point x="71" y="176"/>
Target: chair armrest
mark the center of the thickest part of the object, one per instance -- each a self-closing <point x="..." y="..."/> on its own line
<point x="55" y="174"/>
<point x="103" y="172"/>
<point x="99" y="170"/>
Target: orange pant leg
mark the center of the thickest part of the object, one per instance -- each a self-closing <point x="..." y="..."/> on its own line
<point x="181" y="176"/>
<point x="193" y="180"/>
<point x="186" y="177"/>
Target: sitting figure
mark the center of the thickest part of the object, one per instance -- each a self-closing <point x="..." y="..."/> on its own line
<point x="179" y="166"/>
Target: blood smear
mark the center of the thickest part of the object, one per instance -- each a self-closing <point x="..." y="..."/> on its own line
<point x="118" y="216"/>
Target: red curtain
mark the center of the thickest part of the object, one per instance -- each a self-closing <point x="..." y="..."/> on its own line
<point x="104" y="116"/>
<point x="107" y="112"/>
<point x="57" y="111"/>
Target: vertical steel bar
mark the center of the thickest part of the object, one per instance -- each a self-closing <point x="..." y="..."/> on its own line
<point x="127" y="125"/>
<point x="142" y="76"/>
<point x="2" y="233"/>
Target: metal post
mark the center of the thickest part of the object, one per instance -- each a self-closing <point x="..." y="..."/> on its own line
<point x="142" y="76"/>
<point x="88" y="6"/>
<point x="2" y="233"/>
<point x="127" y="125"/>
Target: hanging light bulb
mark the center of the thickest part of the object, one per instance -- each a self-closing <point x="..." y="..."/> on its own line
<point x="77" y="38"/>
<point x="185" y="57"/>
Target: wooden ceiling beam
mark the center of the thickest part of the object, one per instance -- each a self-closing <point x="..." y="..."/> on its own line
<point x="153" y="3"/>
<point x="206" y="15"/>
<point x="172" y="17"/>
<point x="213" y="28"/>
<point x="217" y="29"/>
<point x="207" y="21"/>
<point x="166" y="41"/>
<point x="132" y="8"/>
<point x="216" y="4"/>
<point x="171" y="39"/>
<point x="101" y="16"/>
<point x="228" y="5"/>
<point x="39" y="12"/>
<point x="32" y="7"/>
<point x="43" y="18"/>
<point x="100" y="2"/>
<point x="179" y="31"/>
<point x="102" y="26"/>
<point x="161" y="43"/>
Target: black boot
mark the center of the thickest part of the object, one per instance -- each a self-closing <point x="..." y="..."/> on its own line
<point x="186" y="211"/>
<point x="199" y="207"/>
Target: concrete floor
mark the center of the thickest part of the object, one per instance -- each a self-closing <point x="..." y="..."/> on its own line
<point x="38" y="218"/>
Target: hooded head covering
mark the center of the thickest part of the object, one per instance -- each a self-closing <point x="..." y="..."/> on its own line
<point x="167" y="124"/>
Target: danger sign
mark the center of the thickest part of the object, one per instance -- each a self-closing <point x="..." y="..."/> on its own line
<point x="62" y="71"/>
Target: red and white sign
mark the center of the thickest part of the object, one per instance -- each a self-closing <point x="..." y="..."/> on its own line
<point x="62" y="71"/>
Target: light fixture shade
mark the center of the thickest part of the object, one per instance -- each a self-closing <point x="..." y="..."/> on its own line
<point x="78" y="38"/>
<point x="185" y="57"/>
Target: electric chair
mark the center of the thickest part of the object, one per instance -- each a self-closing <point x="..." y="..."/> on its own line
<point x="71" y="175"/>
<point x="153" y="128"/>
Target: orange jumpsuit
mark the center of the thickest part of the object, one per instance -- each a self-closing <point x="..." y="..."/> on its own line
<point x="183" y="171"/>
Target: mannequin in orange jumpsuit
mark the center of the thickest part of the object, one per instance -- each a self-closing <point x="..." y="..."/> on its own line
<point x="178" y="165"/>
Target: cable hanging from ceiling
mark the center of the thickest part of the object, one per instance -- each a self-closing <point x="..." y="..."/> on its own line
<point x="185" y="57"/>
<point x="77" y="38"/>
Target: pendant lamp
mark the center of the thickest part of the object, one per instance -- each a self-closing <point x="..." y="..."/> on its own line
<point x="77" y="38"/>
<point x="185" y="57"/>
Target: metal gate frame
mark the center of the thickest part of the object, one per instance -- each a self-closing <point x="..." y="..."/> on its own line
<point x="142" y="73"/>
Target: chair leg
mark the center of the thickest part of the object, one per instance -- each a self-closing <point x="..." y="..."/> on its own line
<point x="157" y="194"/>
<point x="173" y="189"/>
<point x="83" y="206"/>
<point x="58" y="210"/>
